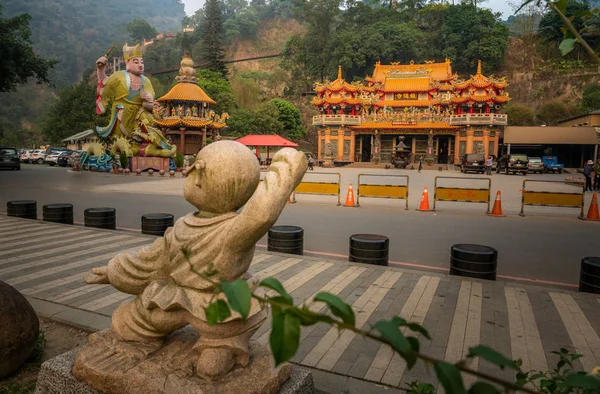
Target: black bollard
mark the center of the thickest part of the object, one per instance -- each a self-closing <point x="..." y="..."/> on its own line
<point x="286" y="239"/>
<point x="156" y="223"/>
<point x="100" y="218"/>
<point x="473" y="261"/>
<point x="369" y="249"/>
<point x="26" y="209"/>
<point x="589" y="276"/>
<point x="58" y="213"/>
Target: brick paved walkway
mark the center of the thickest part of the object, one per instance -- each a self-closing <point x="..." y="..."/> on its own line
<point x="47" y="261"/>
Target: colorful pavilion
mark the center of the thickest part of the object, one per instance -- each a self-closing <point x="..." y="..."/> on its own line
<point x="425" y="106"/>
<point x="184" y="113"/>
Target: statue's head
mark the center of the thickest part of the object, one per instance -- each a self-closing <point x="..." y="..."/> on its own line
<point x="223" y="177"/>
<point x="134" y="62"/>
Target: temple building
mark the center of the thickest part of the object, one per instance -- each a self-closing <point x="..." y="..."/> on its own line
<point x="184" y="114"/>
<point x="419" y="109"/>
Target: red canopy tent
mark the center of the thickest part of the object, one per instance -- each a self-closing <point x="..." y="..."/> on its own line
<point x="265" y="140"/>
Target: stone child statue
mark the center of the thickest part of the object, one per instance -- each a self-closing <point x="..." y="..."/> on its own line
<point x="223" y="179"/>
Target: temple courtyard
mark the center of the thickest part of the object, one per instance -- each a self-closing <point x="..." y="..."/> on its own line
<point x="545" y="246"/>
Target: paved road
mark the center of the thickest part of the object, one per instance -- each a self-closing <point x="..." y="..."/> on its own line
<point x="46" y="263"/>
<point x="546" y="245"/>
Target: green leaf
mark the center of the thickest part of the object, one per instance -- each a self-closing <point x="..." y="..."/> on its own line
<point x="561" y="5"/>
<point x="285" y="337"/>
<point x="393" y="336"/>
<point x="410" y="357"/>
<point x="586" y="382"/>
<point x="566" y="46"/>
<point x="338" y="307"/>
<point x="483" y="388"/>
<point x="239" y="296"/>
<point x="492" y="356"/>
<point x="217" y="312"/>
<point x="275" y="285"/>
<point x="418" y="328"/>
<point x="308" y="317"/>
<point x="449" y="377"/>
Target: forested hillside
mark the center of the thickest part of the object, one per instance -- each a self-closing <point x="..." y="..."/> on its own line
<point x="77" y="32"/>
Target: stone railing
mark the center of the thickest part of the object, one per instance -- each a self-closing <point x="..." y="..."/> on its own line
<point x="479" y="119"/>
<point x="337" y="120"/>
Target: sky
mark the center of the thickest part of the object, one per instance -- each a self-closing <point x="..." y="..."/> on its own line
<point x="495" y="5"/>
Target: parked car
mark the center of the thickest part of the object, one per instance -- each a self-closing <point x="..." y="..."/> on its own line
<point x="75" y="157"/>
<point x="63" y="158"/>
<point x="9" y="158"/>
<point x="513" y="163"/>
<point x="535" y="165"/>
<point x="53" y="156"/>
<point x="473" y="162"/>
<point x="26" y="155"/>
<point x="38" y="156"/>
<point x="551" y="164"/>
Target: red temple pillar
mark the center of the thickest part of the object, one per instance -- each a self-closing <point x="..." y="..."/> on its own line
<point x="256" y="151"/>
<point x="471" y="109"/>
<point x="328" y="110"/>
<point x="459" y="110"/>
<point x="487" y="109"/>
<point x="353" y="110"/>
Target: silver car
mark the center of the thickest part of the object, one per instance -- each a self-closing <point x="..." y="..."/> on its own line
<point x="536" y="165"/>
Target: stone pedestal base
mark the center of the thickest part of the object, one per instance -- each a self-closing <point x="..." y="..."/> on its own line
<point x="168" y="369"/>
<point x="145" y="163"/>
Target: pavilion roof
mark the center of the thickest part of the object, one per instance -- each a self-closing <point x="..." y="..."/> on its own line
<point x="265" y="140"/>
<point x="185" y="91"/>
<point x="437" y="71"/>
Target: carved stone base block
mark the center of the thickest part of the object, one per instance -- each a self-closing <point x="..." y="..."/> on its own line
<point x="110" y="366"/>
<point x="145" y="163"/>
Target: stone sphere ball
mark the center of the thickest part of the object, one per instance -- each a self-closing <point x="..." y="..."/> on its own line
<point x="127" y="171"/>
<point x="150" y="172"/>
<point x="161" y="172"/>
<point x="223" y="177"/>
<point x="184" y="173"/>
<point x="138" y="171"/>
<point x="20" y="329"/>
<point x="172" y="173"/>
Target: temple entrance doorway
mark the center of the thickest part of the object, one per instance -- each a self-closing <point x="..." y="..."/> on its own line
<point x="365" y="155"/>
<point x="443" y="149"/>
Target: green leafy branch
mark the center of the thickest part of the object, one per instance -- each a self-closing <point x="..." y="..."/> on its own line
<point x="571" y="35"/>
<point x="289" y="318"/>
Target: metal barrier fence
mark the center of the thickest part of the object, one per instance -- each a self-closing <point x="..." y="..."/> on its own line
<point x="382" y="191"/>
<point x="322" y="188"/>
<point x="462" y="194"/>
<point x="552" y="199"/>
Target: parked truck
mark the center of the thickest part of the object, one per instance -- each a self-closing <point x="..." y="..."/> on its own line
<point x="551" y="164"/>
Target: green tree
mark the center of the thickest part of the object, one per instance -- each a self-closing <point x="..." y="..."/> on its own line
<point x="266" y="119"/>
<point x="551" y="113"/>
<point x="591" y="98"/>
<point x="217" y="88"/>
<point x="289" y="117"/>
<point x="212" y="45"/>
<point x="73" y="111"/>
<point x="519" y="115"/>
<point x="551" y="24"/>
<point x="470" y="34"/>
<point x="241" y="123"/>
<point x="18" y="60"/>
<point x="140" y="30"/>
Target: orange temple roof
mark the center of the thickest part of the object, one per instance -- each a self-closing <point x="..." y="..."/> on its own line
<point x="438" y="71"/>
<point x="480" y="81"/>
<point x="339" y="100"/>
<point x="187" y="121"/>
<point x="408" y="85"/>
<point x="337" y="85"/>
<point x="185" y="91"/>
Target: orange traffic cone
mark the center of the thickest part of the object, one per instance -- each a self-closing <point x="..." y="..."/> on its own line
<point x="350" y="197"/>
<point x="497" y="210"/>
<point x="424" y="201"/>
<point x="593" y="211"/>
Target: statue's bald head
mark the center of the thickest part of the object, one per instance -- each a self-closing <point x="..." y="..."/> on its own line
<point x="223" y="177"/>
